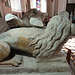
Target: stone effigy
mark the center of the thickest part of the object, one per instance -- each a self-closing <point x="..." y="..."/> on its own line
<point x="39" y="42"/>
<point x="26" y="20"/>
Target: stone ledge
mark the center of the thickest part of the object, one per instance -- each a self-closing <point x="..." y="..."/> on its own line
<point x="31" y="65"/>
<point x="55" y="73"/>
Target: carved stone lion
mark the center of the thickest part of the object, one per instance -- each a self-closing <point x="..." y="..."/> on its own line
<point x="39" y="42"/>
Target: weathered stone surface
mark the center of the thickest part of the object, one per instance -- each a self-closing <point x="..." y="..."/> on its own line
<point x="56" y="33"/>
<point x="14" y="21"/>
<point x="34" y="65"/>
<point x="73" y="29"/>
<point x="47" y="42"/>
<point x="10" y="17"/>
<point x="36" y="22"/>
<point x="54" y="73"/>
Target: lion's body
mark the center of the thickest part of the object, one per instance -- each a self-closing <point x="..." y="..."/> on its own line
<point x="18" y="38"/>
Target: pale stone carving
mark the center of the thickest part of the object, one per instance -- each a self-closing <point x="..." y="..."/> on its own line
<point x="47" y="42"/>
<point x="31" y="65"/>
<point x="14" y="21"/>
<point x="56" y="34"/>
<point x="36" y="22"/>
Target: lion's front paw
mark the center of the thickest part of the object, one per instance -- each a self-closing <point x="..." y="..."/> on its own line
<point x="35" y="52"/>
<point x="43" y="53"/>
<point x="16" y="60"/>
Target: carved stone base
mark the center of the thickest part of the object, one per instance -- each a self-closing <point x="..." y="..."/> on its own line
<point x="31" y="65"/>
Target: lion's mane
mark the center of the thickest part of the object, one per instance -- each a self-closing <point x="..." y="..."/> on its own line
<point x="55" y="35"/>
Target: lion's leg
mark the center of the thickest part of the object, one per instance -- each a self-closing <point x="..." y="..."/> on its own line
<point x="4" y="50"/>
<point x="4" y="53"/>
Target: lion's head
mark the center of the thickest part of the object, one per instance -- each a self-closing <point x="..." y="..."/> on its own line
<point x="56" y="34"/>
